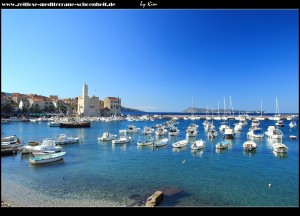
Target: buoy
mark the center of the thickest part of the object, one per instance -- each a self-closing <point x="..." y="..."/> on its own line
<point x="183" y="161"/>
<point x="270" y="185"/>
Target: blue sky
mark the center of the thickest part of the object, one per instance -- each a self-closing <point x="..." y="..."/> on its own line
<point x="155" y="60"/>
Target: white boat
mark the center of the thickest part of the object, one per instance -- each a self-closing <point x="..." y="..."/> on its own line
<point x="47" y="158"/>
<point x="222" y="145"/>
<point x="63" y="139"/>
<point x="130" y="129"/>
<point x="160" y="142"/>
<point x="277" y="116"/>
<point x="255" y="123"/>
<point x="160" y="131"/>
<point x="259" y="118"/>
<point x="12" y="143"/>
<point x="280" y="148"/>
<point x="147" y="130"/>
<point x="212" y="133"/>
<point x="192" y="131"/>
<point x="293" y="137"/>
<point x="8" y="138"/>
<point x="46" y="145"/>
<point x="238" y="126"/>
<point x="173" y="131"/>
<point x="292" y="124"/>
<point x="229" y="133"/>
<point x="122" y="139"/>
<point x="106" y="136"/>
<point x="274" y="133"/>
<point x="249" y="145"/>
<point x="43" y="153"/>
<point x="145" y="142"/>
<point x="255" y="133"/>
<point x="279" y="123"/>
<point x="53" y="124"/>
<point x="198" y="144"/>
<point x="180" y="144"/>
<point x="223" y="126"/>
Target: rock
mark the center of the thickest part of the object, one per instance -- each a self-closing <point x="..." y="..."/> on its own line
<point x="155" y="199"/>
<point x="170" y="190"/>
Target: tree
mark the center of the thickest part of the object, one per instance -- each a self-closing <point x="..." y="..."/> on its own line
<point x="24" y="109"/>
<point x="7" y="108"/>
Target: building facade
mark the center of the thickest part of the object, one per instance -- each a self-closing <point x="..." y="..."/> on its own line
<point x="88" y="106"/>
<point x="114" y="104"/>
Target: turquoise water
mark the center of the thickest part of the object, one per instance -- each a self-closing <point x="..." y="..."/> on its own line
<point x="96" y="170"/>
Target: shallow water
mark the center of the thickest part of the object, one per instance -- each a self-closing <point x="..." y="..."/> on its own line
<point x="100" y="170"/>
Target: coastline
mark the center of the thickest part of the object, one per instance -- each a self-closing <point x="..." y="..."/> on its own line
<point x="17" y="195"/>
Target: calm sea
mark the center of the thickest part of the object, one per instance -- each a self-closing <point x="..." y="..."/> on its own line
<point x="99" y="170"/>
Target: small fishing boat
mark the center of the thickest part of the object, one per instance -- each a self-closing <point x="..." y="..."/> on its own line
<point x="122" y="140"/>
<point x="293" y="137"/>
<point x="249" y="145"/>
<point x="199" y="144"/>
<point x="180" y="144"/>
<point x="160" y="142"/>
<point x="107" y="137"/>
<point x="47" y="158"/>
<point x="222" y="145"/>
<point x="145" y="142"/>
<point x="280" y="148"/>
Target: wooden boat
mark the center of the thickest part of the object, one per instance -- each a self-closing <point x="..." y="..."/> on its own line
<point x="47" y="158"/>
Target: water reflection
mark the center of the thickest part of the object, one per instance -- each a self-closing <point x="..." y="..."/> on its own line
<point x="280" y="155"/>
<point x="122" y="147"/>
<point x="177" y="150"/>
<point x="249" y="153"/>
<point x="197" y="153"/>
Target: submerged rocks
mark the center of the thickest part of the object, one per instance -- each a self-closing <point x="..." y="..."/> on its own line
<point x="155" y="199"/>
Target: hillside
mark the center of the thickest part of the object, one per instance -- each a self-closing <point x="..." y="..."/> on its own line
<point x="126" y="109"/>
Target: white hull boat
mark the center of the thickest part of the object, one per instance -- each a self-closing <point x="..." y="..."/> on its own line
<point x="249" y="145"/>
<point x="180" y="144"/>
<point x="199" y="144"/>
<point x="107" y="137"/>
<point x="47" y="158"/>
<point x="161" y="142"/>
<point x="280" y="148"/>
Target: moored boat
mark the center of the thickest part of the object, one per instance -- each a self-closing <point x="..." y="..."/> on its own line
<point x="249" y="145"/>
<point x="47" y="158"/>
<point x="198" y="144"/>
<point x="280" y="148"/>
<point x="160" y="142"/>
<point x="106" y="136"/>
<point x="180" y="144"/>
<point x="222" y="145"/>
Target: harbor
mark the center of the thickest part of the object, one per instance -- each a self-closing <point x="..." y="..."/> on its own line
<point x="90" y="173"/>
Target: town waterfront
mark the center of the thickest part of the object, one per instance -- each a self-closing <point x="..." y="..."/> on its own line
<point x="121" y="174"/>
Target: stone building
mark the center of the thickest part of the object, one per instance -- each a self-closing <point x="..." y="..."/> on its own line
<point x="88" y="106"/>
<point x="114" y="104"/>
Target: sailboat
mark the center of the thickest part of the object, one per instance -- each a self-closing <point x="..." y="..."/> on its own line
<point x="193" y="117"/>
<point x="276" y="117"/>
<point x="218" y="117"/>
<point x="261" y="116"/>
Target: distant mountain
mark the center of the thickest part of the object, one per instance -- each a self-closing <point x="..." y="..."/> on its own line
<point x="126" y="109"/>
<point x="204" y="110"/>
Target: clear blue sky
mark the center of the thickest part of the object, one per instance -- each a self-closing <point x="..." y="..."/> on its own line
<point x="155" y="60"/>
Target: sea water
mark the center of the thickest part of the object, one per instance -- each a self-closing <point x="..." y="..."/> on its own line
<point x="93" y="169"/>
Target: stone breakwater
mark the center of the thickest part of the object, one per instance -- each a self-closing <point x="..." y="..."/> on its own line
<point x="16" y="195"/>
